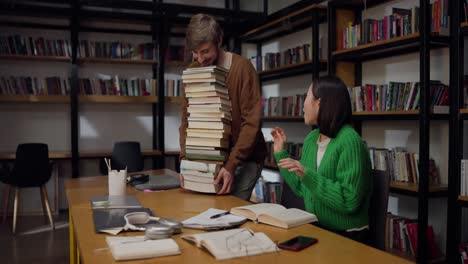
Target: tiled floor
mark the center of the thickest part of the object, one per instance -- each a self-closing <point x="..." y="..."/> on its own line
<point x="41" y="245"/>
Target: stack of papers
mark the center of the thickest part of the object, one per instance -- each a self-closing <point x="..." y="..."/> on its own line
<point x="204" y="222"/>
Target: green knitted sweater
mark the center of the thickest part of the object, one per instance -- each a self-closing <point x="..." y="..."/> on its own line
<point x="338" y="192"/>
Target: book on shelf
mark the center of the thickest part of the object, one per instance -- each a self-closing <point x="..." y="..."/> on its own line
<point x="233" y="243"/>
<point x="205" y="221"/>
<point x="173" y="87"/>
<point x="275" y="215"/>
<point x="401" y="22"/>
<point x="138" y="247"/>
<point x="463" y="250"/>
<point x="116" y="50"/>
<point x="401" y="234"/>
<point x="29" y="85"/>
<point x="177" y="53"/>
<point x="28" y="46"/>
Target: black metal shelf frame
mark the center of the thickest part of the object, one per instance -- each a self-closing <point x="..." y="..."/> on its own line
<point x="282" y="119"/>
<point x="416" y="194"/>
<point x="422" y="44"/>
<point x="315" y="16"/>
<point x="462" y="203"/>
<point x="390" y="49"/>
<point x="454" y="206"/>
<point x="395" y="117"/>
<point x="291" y="71"/>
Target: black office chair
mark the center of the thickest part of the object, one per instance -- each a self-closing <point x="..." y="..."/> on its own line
<point x="378" y="208"/>
<point x="289" y="199"/>
<point x="127" y="154"/>
<point x="31" y="169"/>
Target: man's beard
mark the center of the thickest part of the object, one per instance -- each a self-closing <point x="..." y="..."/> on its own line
<point x="215" y="62"/>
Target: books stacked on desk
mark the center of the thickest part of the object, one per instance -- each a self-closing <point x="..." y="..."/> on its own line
<point x="209" y="126"/>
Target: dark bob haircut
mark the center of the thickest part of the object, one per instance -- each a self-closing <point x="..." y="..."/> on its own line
<point x="335" y="105"/>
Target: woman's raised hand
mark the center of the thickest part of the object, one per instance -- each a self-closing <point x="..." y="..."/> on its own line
<point x="279" y="138"/>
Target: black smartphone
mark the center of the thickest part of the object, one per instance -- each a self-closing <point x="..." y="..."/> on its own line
<point x="297" y="243"/>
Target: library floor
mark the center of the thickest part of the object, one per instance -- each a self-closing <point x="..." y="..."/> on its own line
<point x="34" y="241"/>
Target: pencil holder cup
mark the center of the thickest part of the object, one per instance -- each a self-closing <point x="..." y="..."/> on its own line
<point x="117" y="182"/>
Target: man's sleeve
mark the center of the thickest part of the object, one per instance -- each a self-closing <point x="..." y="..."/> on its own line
<point x="183" y="129"/>
<point x="250" y="118"/>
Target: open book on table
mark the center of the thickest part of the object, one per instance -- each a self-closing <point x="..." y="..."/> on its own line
<point x="233" y="243"/>
<point x="275" y="214"/>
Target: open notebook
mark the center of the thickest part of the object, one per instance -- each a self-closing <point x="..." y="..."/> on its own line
<point x="205" y="222"/>
<point x="233" y="243"/>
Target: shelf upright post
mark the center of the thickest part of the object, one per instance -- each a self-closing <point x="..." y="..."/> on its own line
<point x="315" y="44"/>
<point x="331" y="17"/>
<point x="157" y="30"/>
<point x="455" y="133"/>
<point x="424" y="123"/>
<point x="74" y="104"/>
<point x="237" y="41"/>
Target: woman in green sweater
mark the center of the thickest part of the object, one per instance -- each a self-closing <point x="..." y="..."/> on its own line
<point x="334" y="174"/>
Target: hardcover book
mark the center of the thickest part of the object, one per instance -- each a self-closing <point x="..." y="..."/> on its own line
<point x="275" y="215"/>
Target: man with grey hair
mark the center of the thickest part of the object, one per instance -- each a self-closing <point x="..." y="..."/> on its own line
<point x="248" y="150"/>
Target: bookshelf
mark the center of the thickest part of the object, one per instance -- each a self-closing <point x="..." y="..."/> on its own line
<point x="291" y="19"/>
<point x="458" y="115"/>
<point x="85" y="155"/>
<point x="283" y="118"/>
<point x="99" y="17"/>
<point x="116" y="61"/>
<point x="117" y="99"/>
<point x="347" y="64"/>
<point x="35" y="58"/>
<point x="55" y="99"/>
<point x="290" y="70"/>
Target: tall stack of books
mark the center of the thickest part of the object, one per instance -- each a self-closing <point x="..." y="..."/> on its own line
<point x="209" y="126"/>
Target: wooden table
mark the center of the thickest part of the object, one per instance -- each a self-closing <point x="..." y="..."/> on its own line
<point x="179" y="204"/>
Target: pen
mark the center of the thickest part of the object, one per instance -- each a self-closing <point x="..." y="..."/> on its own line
<point x="219" y="215"/>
